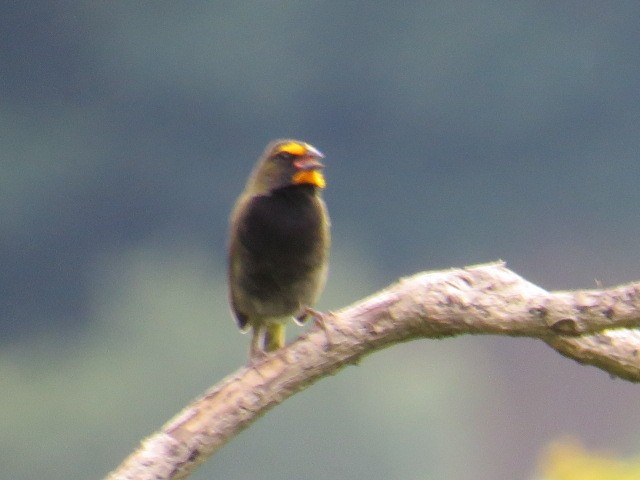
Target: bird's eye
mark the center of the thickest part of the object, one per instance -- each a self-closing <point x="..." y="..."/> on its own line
<point x="285" y="156"/>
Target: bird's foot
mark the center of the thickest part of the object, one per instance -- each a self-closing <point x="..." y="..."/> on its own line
<point x="256" y="357"/>
<point x="306" y="314"/>
<point x="319" y="318"/>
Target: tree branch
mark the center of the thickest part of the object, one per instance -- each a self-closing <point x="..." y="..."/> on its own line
<point x="484" y="299"/>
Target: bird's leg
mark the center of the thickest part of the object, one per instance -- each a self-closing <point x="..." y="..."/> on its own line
<point x="274" y="336"/>
<point x="256" y="351"/>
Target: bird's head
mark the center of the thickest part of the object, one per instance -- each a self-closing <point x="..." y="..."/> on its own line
<point x="285" y="163"/>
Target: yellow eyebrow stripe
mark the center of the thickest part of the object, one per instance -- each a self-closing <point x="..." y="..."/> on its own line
<point x="293" y="148"/>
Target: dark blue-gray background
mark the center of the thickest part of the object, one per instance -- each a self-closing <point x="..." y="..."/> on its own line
<point x="454" y="133"/>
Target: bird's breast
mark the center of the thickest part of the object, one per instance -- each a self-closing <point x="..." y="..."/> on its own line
<point x="284" y="227"/>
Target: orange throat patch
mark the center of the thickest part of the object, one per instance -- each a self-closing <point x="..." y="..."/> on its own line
<point x="312" y="177"/>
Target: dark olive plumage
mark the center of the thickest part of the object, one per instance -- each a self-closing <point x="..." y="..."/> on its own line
<point x="279" y="242"/>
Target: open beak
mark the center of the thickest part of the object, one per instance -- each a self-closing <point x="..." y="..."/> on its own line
<point x="308" y="168"/>
<point x="310" y="160"/>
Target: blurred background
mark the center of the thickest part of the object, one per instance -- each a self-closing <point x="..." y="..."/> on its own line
<point x="455" y="133"/>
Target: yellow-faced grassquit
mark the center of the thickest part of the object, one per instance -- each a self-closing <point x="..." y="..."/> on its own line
<point x="278" y="243"/>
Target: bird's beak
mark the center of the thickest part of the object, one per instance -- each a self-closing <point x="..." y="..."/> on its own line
<point x="310" y="160"/>
<point x="308" y="168"/>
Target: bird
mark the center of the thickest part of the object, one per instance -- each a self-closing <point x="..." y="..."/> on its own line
<point x="279" y="240"/>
